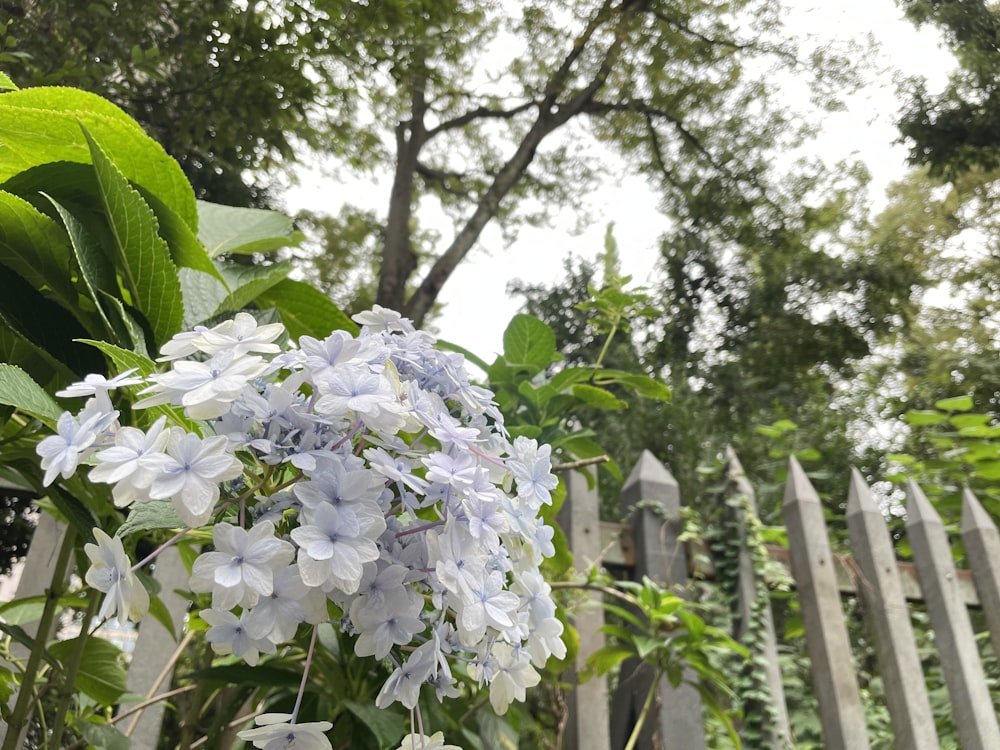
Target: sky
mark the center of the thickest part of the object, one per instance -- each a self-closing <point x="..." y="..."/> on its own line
<point x="477" y="307"/>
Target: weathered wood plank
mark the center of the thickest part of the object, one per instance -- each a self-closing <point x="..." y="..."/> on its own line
<point x="150" y="672"/>
<point x="780" y="734"/>
<point x="982" y="549"/>
<point x="588" y="724"/>
<point x="886" y="613"/>
<point x="36" y="578"/>
<point x="832" y="665"/>
<point x="677" y="722"/>
<point x="971" y="704"/>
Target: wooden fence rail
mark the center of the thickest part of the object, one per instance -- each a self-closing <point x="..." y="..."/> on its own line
<point x="650" y="546"/>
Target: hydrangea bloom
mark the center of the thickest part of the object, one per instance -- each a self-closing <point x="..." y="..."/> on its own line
<point x="365" y="474"/>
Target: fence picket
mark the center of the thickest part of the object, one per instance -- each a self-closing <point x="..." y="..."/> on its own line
<point x="963" y="671"/>
<point x="779" y="735"/>
<point x="676" y="722"/>
<point x="832" y="667"/>
<point x="588" y="723"/>
<point x="982" y="549"/>
<point x="886" y="613"/>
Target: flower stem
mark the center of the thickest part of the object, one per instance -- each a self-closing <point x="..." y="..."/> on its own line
<point x="644" y="714"/>
<point x="152" y="555"/>
<point x="21" y="715"/>
<point x="305" y="674"/>
<point x="72" y="666"/>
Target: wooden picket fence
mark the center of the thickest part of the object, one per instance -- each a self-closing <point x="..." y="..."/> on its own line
<point x="651" y="546"/>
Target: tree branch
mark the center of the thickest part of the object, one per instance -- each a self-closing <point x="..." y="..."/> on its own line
<point x="551" y="115"/>
<point x="479" y="113"/>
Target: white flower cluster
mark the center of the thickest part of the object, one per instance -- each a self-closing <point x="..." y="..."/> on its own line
<point x="364" y="471"/>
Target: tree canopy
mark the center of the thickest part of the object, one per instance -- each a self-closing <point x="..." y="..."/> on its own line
<point x="490" y="111"/>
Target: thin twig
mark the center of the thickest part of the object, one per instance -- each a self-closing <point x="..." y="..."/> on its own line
<point x="570" y="465"/>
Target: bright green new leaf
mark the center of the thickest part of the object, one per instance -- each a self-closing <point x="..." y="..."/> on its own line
<point x="597" y="397"/>
<point x="924" y="417"/>
<point x="305" y="310"/>
<point x="6" y="83"/>
<point x="529" y="344"/>
<point x="604" y="660"/>
<point x="101" y="675"/>
<point x="150" y="276"/>
<point x="228" y="229"/>
<point x="956" y="403"/>
<point x="41" y="125"/>
<point x="17" y="389"/>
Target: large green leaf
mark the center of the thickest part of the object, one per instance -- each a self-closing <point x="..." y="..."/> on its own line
<point x="529" y="344"/>
<point x="150" y="275"/>
<point x="305" y="310"/>
<point x="386" y="725"/>
<point x="47" y="325"/>
<point x="101" y="735"/>
<point x="96" y="269"/>
<point x="186" y="249"/>
<point x="228" y="229"/>
<point x="35" y="247"/>
<point x="17" y="389"/>
<point x="42" y="125"/>
<point x="203" y="295"/>
<point x="101" y="675"/>
<point x="249" y="282"/>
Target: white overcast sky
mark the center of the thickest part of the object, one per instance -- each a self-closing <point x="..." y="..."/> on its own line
<point x="476" y="305"/>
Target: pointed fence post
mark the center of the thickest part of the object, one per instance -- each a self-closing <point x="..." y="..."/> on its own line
<point x="779" y="735"/>
<point x="971" y="704"/>
<point x="676" y="722"/>
<point x="36" y="578"/>
<point x="150" y="670"/>
<point x="588" y="723"/>
<point x="982" y="549"/>
<point x="885" y="610"/>
<point x="829" y="648"/>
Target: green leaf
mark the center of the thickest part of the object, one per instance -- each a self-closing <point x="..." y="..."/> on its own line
<point x="642" y="385"/>
<point x="101" y="675"/>
<point x="158" y="514"/>
<point x="305" y="310"/>
<point x="150" y="275"/>
<point x="41" y="125"/>
<point x="956" y="403"/>
<point x="604" y="660"/>
<point x="203" y="295"/>
<point x="388" y="726"/>
<point x="596" y="397"/>
<point x="249" y="282"/>
<point x="186" y="249"/>
<point x="529" y="344"/>
<point x="228" y="229"/>
<point x="124" y="359"/>
<point x="923" y="417"/>
<point x="17" y="389"/>
<point x="36" y="248"/>
<point x="48" y="326"/>
<point x="100" y="735"/>
<point x="6" y="83"/>
<point x="20" y="635"/>
<point x="96" y="268"/>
